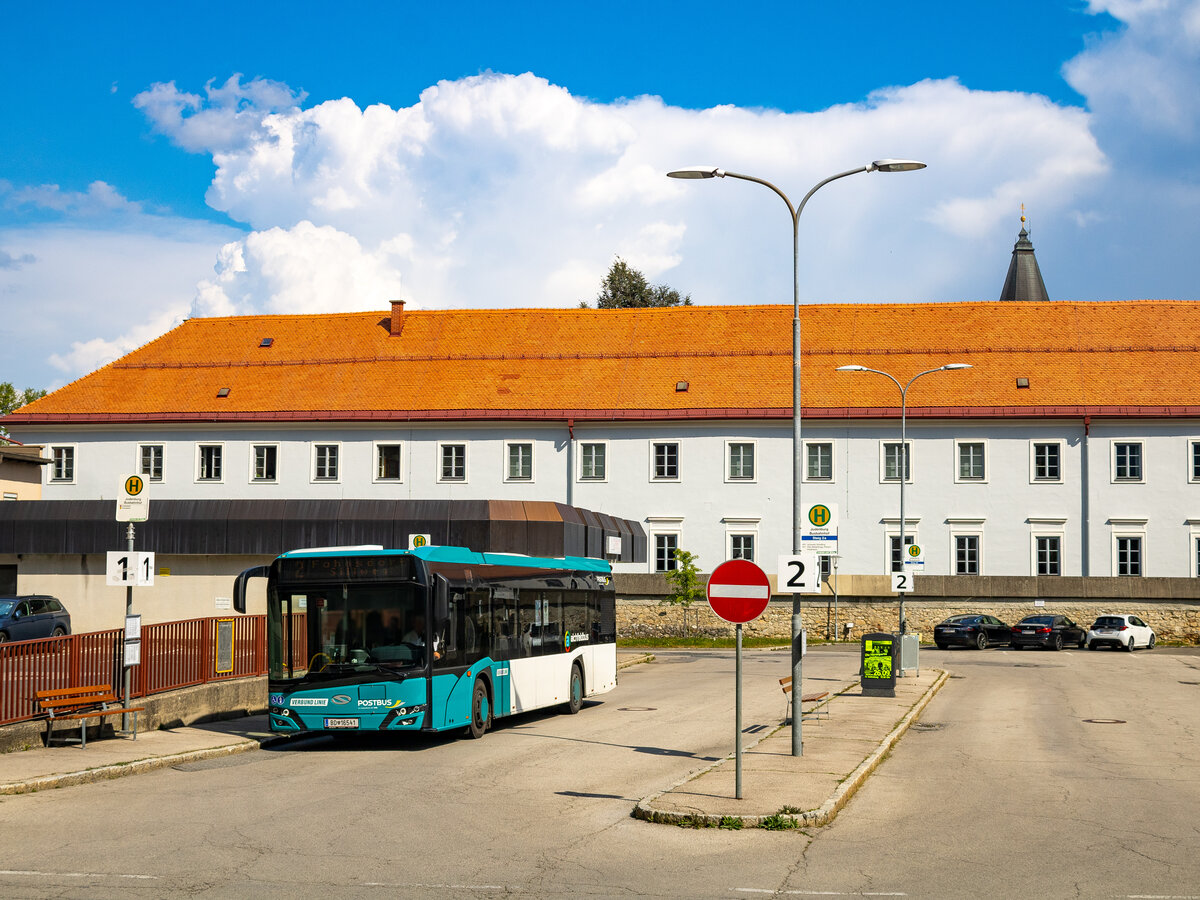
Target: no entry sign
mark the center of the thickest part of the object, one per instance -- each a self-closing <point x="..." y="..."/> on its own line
<point x="738" y="591"/>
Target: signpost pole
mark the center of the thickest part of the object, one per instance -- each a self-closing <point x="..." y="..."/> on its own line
<point x="129" y="532"/>
<point x="738" y="715"/>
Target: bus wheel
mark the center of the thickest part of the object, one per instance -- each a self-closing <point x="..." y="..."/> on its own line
<point x="575" y="690"/>
<point x="481" y="711"/>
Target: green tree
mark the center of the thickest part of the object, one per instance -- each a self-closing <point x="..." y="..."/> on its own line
<point x="684" y="581"/>
<point x="11" y="398"/>
<point x="624" y="287"/>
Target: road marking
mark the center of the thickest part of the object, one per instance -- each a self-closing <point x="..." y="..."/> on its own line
<point x="780" y="893"/>
<point x="75" y="874"/>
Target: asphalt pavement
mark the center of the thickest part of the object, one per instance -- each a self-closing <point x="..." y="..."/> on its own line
<point x="842" y="746"/>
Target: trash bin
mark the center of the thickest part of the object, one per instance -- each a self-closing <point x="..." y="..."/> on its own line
<point x="879" y="664"/>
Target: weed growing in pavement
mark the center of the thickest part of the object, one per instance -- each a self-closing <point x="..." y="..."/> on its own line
<point x="732" y="823"/>
<point x="779" y="822"/>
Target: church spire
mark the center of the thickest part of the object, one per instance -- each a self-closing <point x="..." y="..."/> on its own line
<point x="1024" y="279"/>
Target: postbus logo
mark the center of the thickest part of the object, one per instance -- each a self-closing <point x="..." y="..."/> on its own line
<point x="819" y="516"/>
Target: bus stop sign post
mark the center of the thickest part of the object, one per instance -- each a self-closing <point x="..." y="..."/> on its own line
<point x="738" y="592"/>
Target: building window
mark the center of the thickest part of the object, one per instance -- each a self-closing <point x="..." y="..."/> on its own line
<point x="1127" y="461"/>
<point x="818" y="464"/>
<point x="970" y="461"/>
<point x="63" y="467"/>
<point x="592" y="459"/>
<point x="825" y="563"/>
<point x="1128" y="555"/>
<point x="892" y="461"/>
<point x="665" y="546"/>
<point x="1194" y="447"/>
<point x="208" y="458"/>
<point x="1048" y="553"/>
<point x="966" y="554"/>
<point x="264" y="459"/>
<point x="520" y="462"/>
<point x="325" y="462"/>
<point x="666" y="462"/>
<point x="896" y="560"/>
<point x="1047" y="461"/>
<point x="741" y="546"/>
<point x="1195" y="556"/>
<point x="150" y="462"/>
<point x="454" y="462"/>
<point x="387" y="462"/>
<point x="741" y="461"/>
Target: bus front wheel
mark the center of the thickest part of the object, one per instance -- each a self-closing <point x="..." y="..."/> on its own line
<point x="575" y="690"/>
<point x="481" y="711"/>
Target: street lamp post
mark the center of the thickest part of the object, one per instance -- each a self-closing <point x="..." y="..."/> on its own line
<point x="879" y="165"/>
<point x="949" y="367"/>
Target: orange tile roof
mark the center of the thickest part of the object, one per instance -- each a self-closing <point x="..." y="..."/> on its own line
<point x="1115" y="358"/>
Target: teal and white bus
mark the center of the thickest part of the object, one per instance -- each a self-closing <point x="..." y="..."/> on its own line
<point x="432" y="639"/>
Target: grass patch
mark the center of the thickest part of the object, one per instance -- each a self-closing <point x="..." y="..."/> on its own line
<point x="694" y="822"/>
<point x="779" y="822"/>
<point x="731" y="823"/>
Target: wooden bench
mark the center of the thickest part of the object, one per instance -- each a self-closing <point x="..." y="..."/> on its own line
<point x="814" y="697"/>
<point x="95" y="701"/>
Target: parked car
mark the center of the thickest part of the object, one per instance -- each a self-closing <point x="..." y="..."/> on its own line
<point x="971" y="630"/>
<point x="32" y="616"/>
<point x="1126" y="632"/>
<point x="1047" y="630"/>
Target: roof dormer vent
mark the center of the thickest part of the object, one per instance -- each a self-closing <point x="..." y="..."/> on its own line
<point x="266" y="342"/>
<point x="223" y="392"/>
<point x="1022" y="382"/>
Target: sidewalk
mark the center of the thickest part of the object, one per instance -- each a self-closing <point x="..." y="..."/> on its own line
<point x="841" y="750"/>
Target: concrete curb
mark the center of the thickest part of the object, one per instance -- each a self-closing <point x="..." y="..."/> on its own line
<point x="824" y="814"/>
<point x="136" y="767"/>
<point x="636" y="661"/>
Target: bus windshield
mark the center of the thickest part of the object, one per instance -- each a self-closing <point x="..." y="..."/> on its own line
<point x="342" y="629"/>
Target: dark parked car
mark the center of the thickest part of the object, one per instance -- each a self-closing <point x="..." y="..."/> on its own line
<point x="971" y="630"/>
<point x="1047" y="631"/>
<point x="32" y="616"/>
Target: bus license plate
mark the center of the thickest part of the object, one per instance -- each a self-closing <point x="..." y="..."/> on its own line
<point x="341" y="723"/>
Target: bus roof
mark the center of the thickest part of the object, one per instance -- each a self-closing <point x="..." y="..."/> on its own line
<point x="465" y="556"/>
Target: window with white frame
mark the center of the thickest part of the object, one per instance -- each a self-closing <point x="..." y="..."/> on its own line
<point x="825" y="562"/>
<point x="1127" y="554"/>
<point x="741" y="546"/>
<point x="1047" y="551"/>
<point x="454" y="462"/>
<point x="1045" y="461"/>
<point x="664" y="460"/>
<point x="209" y="459"/>
<point x="665" y="545"/>
<point x="388" y="459"/>
<point x="966" y="554"/>
<point x="264" y="463"/>
<point x="818" y="461"/>
<point x="1127" y="460"/>
<point x="593" y="461"/>
<point x="971" y="461"/>
<point x="895" y="558"/>
<point x="890" y="461"/>
<point x="62" y="467"/>
<point x="740" y="455"/>
<point x="1193" y="460"/>
<point x="150" y="461"/>
<point x="1196" y="555"/>
<point x="326" y="458"/>
<point x="520" y="463"/>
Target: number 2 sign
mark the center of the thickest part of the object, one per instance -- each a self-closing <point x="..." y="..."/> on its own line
<point x="799" y="573"/>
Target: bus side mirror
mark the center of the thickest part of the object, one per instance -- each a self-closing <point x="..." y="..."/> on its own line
<point x="239" y="585"/>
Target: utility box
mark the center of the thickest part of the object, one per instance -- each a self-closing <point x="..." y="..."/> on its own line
<point x="879" y="664"/>
<point x="910" y="655"/>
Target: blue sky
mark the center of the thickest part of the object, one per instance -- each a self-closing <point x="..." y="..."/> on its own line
<point x="166" y="160"/>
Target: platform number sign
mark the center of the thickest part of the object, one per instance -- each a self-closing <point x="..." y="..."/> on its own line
<point x="902" y="582"/>
<point x="127" y="568"/>
<point x="799" y="573"/>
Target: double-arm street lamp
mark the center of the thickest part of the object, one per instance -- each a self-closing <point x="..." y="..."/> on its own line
<point x="879" y="165"/>
<point x="903" y="455"/>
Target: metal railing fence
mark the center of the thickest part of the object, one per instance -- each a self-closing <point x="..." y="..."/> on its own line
<point x="174" y="655"/>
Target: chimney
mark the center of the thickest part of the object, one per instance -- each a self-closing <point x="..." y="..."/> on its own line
<point x="397" y="325"/>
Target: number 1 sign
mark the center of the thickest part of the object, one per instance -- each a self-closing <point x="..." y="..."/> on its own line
<point x="126" y="568"/>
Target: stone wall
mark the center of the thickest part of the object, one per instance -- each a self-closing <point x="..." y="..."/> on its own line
<point x="1171" y="606"/>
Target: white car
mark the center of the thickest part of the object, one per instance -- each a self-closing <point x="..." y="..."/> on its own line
<point x="1123" y="632"/>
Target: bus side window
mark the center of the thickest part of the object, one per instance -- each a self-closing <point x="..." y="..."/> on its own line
<point x="552" y="622"/>
<point x="527" y="623"/>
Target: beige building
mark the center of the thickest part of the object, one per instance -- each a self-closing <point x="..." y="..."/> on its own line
<point x="20" y="470"/>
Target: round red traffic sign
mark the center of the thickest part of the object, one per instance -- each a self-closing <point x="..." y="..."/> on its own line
<point x="738" y="591"/>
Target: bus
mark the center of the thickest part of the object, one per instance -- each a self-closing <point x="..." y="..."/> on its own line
<point x="431" y="639"/>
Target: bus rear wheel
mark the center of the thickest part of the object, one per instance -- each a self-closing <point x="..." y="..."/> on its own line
<point x="575" y="690"/>
<point x="481" y="711"/>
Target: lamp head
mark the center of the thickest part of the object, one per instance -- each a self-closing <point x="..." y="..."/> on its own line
<point x="950" y="367"/>
<point x="851" y="368"/>
<point x="697" y="172"/>
<point x="895" y="165"/>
